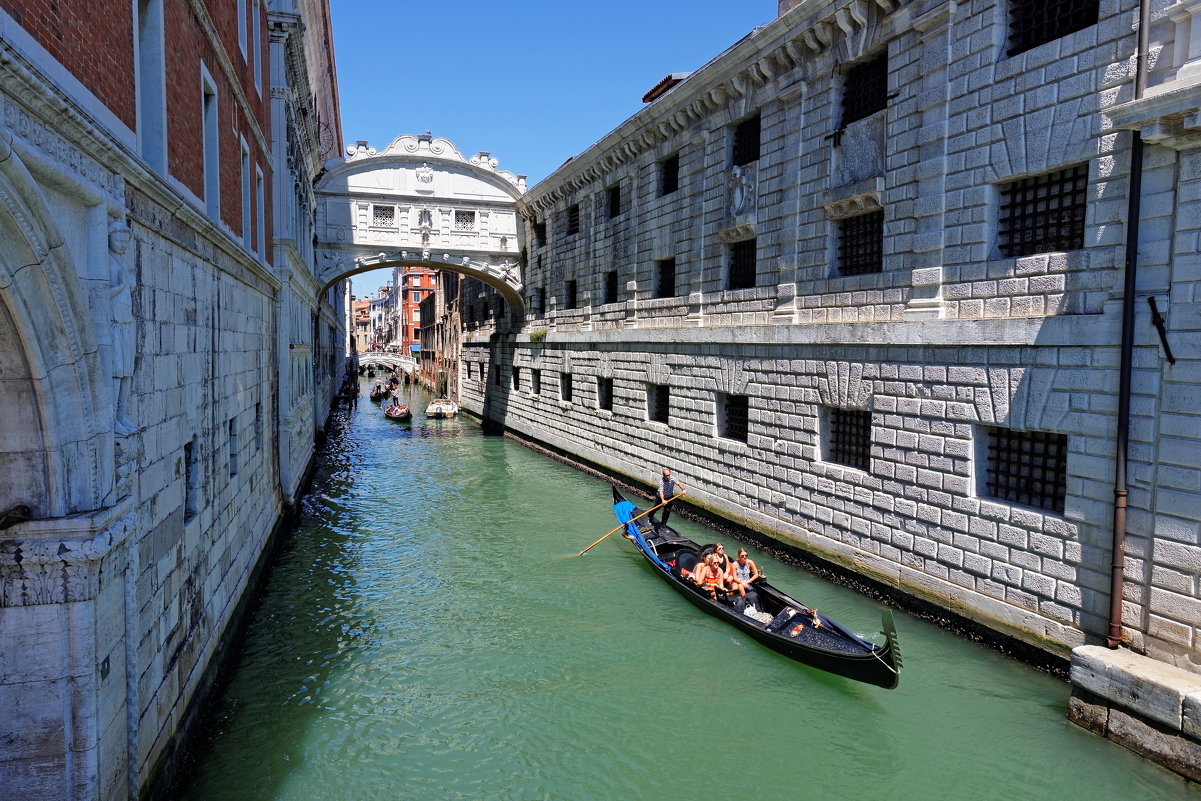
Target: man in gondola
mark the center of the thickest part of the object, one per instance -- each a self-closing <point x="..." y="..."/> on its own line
<point x="669" y="488"/>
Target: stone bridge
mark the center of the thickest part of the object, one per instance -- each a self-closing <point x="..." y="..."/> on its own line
<point x="421" y="203"/>
<point x="390" y="361"/>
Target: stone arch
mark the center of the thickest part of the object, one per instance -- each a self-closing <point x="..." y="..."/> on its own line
<point x="56" y="440"/>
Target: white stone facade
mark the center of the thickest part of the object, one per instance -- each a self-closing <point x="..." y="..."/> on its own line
<point x="953" y="338"/>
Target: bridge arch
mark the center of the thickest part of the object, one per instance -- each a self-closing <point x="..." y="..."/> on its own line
<point x="421" y="203"/>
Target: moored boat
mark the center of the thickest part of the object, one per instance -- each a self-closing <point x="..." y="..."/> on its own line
<point x="776" y="620"/>
<point x="399" y="413"/>
<point x="442" y="407"/>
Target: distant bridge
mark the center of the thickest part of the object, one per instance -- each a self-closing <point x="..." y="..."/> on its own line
<point x="390" y="361"/>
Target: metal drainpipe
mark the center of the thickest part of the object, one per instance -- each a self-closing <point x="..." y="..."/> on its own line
<point x="1134" y="211"/>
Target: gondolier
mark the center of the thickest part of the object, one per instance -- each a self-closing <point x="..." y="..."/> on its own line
<point x="668" y="489"/>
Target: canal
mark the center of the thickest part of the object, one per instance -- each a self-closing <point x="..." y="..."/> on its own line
<point x="426" y="634"/>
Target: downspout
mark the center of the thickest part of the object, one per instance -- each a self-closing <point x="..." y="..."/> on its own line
<point x="1133" y="213"/>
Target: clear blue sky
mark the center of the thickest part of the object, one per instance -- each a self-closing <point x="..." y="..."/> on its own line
<point x="532" y="81"/>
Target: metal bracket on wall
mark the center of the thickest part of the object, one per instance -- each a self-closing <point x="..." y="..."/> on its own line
<point x="1158" y="321"/>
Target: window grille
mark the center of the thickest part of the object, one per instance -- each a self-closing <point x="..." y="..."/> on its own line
<point x="571" y="298"/>
<point x="743" y="258"/>
<point x="565" y="386"/>
<point x="516" y="378"/>
<point x="614" y="201"/>
<point x="861" y="244"/>
<point x="1036" y="22"/>
<point x="850" y="438"/>
<point x="865" y="90"/>
<point x="573" y="219"/>
<point x="735" y="411"/>
<point x="464" y="220"/>
<point x="746" y="141"/>
<point x="611" y="286"/>
<point x="1027" y="467"/>
<point x="535" y="381"/>
<point x="665" y="278"/>
<point x="604" y="394"/>
<point x="669" y="174"/>
<point x="658" y="401"/>
<point x="1044" y="213"/>
<point x="383" y="216"/>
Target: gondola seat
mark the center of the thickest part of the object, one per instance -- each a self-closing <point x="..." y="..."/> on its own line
<point x="686" y="563"/>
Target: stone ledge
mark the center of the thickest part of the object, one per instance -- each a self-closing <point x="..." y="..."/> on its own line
<point x="1152" y="689"/>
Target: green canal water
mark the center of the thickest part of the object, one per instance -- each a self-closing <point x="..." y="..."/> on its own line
<point x="425" y="634"/>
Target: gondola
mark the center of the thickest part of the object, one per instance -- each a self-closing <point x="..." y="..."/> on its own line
<point x="379" y="393"/>
<point x="398" y="414"/>
<point x="776" y="620"/>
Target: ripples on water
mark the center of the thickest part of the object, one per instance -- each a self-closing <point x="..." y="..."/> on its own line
<point x="426" y="635"/>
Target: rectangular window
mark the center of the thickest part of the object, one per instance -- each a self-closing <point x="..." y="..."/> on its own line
<point x="733" y="416"/>
<point x="516" y="378"/>
<point x="1045" y="213"/>
<point x="258" y="427"/>
<point x="669" y="174"/>
<point x="212" y="147"/>
<point x="614" y="193"/>
<point x="743" y="258"/>
<point x="535" y="381"/>
<point x="151" y="78"/>
<point x="658" y="403"/>
<point x="861" y="244"/>
<point x="241" y="11"/>
<point x="1036" y="22"/>
<point x="746" y="141"/>
<point x="383" y="216"/>
<point x="604" y="393"/>
<point x="571" y="298"/>
<point x="260" y="212"/>
<point x="540" y="300"/>
<point x="539" y="234"/>
<point x="233" y="447"/>
<point x="865" y="90"/>
<point x="1026" y="467"/>
<point x="191" y="472"/>
<point x="247" y="194"/>
<point x="611" y="286"/>
<point x="496" y="374"/>
<point x="849" y="437"/>
<point x="255" y="46"/>
<point x="573" y="219"/>
<point x="565" y="387"/>
<point x="665" y="278"/>
<point x="464" y="220"/>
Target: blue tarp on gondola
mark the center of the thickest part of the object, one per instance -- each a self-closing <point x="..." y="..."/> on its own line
<point x="625" y="512"/>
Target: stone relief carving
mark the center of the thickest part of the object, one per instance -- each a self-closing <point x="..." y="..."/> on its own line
<point x="121" y="307"/>
<point x="742" y="191"/>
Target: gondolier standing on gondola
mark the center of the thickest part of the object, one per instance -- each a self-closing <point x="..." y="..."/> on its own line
<point x="668" y="489"/>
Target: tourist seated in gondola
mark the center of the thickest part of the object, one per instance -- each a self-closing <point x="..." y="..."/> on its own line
<point x="711" y="577"/>
<point x="743" y="573"/>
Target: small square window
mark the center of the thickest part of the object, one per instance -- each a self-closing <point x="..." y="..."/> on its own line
<point x="464" y="220"/>
<point x="565" y="387"/>
<point x="746" y="141"/>
<point x="669" y="174"/>
<point x="611" y="286"/>
<point x="743" y="258"/>
<point x="733" y="412"/>
<point x="614" y="193"/>
<point x="865" y="90"/>
<point x="383" y="216"/>
<point x="604" y="393"/>
<point x="849" y="437"/>
<point x="573" y="219"/>
<point x="861" y="244"/>
<point x="1045" y="213"/>
<point x="1036" y="22"/>
<point x="1026" y="467"/>
<point x="665" y="278"/>
<point x="658" y="403"/>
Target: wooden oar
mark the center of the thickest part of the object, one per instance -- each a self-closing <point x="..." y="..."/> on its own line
<point x="623" y="525"/>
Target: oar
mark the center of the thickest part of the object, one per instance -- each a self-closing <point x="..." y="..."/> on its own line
<point x="623" y="525"/>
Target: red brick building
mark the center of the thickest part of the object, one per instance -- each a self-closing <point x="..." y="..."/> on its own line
<point x="417" y="283"/>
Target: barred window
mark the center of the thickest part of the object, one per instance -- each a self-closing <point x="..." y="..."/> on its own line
<point x="611" y="286"/>
<point x="516" y="378"/>
<point x="384" y="216"/>
<point x="535" y="381"/>
<point x="743" y="258"/>
<point x="565" y="387"/>
<point x="658" y="402"/>
<point x="1044" y="213"/>
<point x="861" y="244"/>
<point x="865" y="90"/>
<point x="573" y="219"/>
<point x="604" y="393"/>
<point x="665" y="278"/>
<point x="1036" y="22"/>
<point x="669" y="174"/>
<point x="849" y="439"/>
<point x="570" y="295"/>
<point x="733" y="416"/>
<point x="614" y="193"/>
<point x="464" y="220"/>
<point x="746" y="141"/>
<point x="1027" y="467"/>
